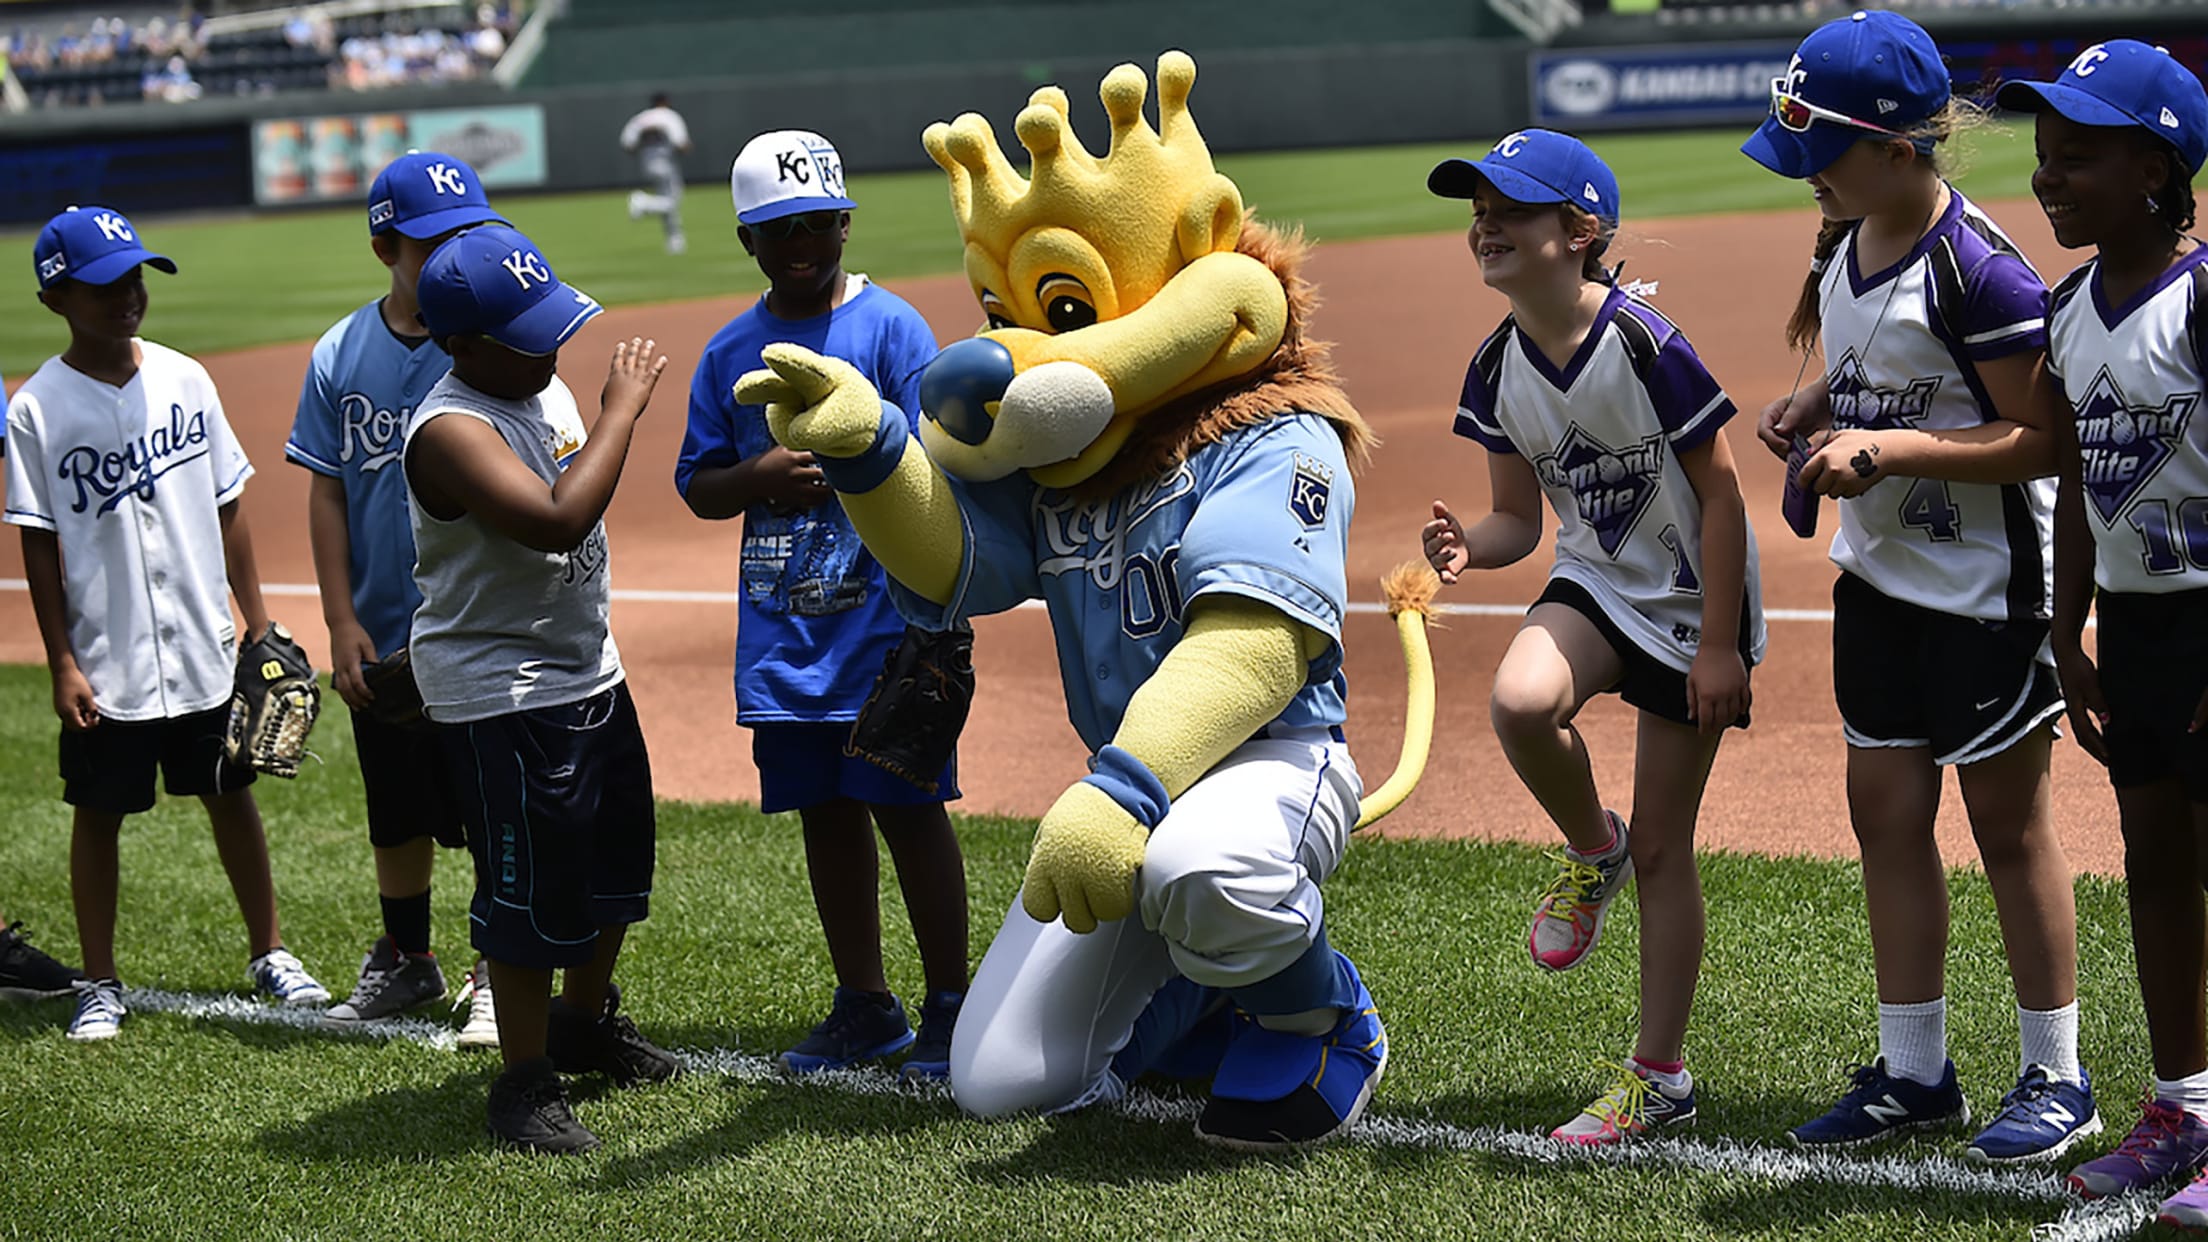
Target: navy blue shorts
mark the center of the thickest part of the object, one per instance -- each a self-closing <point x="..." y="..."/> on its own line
<point x="402" y="770"/>
<point x="110" y="767"/>
<point x="803" y="765"/>
<point x="2154" y="668"/>
<point x="558" y="807"/>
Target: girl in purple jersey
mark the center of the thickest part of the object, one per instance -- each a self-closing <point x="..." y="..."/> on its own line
<point x="1934" y="428"/>
<point x="1590" y="395"/>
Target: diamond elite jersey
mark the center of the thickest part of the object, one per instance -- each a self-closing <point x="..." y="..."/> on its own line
<point x="2134" y="377"/>
<point x="1604" y="436"/>
<point x="1903" y="347"/>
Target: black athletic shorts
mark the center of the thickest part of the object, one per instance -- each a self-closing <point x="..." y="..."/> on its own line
<point x="403" y="772"/>
<point x="110" y="767"/>
<point x="558" y="804"/>
<point x="1648" y="683"/>
<point x="2154" y="668"/>
<point x="1905" y="675"/>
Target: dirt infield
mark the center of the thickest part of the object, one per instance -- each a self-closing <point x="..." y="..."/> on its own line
<point x="1406" y="314"/>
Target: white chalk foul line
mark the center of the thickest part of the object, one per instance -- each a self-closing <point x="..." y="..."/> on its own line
<point x="2095" y="1222"/>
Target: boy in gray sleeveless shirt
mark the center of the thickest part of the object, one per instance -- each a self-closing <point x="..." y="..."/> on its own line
<point x="506" y="494"/>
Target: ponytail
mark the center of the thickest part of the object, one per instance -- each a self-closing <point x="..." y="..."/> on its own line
<point x="1807" y="319"/>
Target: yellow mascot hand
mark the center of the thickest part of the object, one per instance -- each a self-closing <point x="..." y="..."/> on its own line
<point x="814" y="403"/>
<point x="1084" y="862"/>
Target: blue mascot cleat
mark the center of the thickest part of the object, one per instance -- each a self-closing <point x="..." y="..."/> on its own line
<point x="1276" y="1091"/>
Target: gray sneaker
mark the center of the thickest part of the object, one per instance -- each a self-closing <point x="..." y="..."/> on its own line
<point x="391" y="983"/>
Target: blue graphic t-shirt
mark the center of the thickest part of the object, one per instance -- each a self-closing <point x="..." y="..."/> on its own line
<point x="814" y="619"/>
<point x="362" y="383"/>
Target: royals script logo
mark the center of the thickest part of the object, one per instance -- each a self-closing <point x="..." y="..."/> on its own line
<point x="1612" y="487"/>
<point x="2122" y="446"/>
<point x="107" y="477"/>
<point x="1093" y="538"/>
<point x="369" y="433"/>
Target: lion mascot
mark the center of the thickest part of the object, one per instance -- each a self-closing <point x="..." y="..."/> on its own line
<point x="1145" y="439"/>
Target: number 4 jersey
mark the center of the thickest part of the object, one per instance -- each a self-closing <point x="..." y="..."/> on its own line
<point x="2133" y="374"/>
<point x="1902" y="348"/>
<point x="1604" y="435"/>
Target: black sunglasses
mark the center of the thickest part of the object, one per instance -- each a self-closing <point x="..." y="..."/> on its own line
<point x="782" y="228"/>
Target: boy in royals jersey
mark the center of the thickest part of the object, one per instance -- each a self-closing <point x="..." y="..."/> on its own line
<point x="366" y="376"/>
<point x="126" y="479"/>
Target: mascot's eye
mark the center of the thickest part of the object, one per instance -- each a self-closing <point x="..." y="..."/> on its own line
<point x="993" y="306"/>
<point x="1066" y="303"/>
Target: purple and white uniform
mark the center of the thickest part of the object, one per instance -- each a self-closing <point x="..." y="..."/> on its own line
<point x="1604" y="435"/>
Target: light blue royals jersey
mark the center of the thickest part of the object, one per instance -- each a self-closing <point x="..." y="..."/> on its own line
<point x="814" y="620"/>
<point x="1263" y="514"/>
<point x="2134" y="375"/>
<point x="362" y="383"/>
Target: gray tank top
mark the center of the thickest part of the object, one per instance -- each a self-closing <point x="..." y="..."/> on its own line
<point x="503" y="627"/>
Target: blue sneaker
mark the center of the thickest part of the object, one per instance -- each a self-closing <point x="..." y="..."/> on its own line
<point x="2038" y="1121"/>
<point x="1879" y="1105"/>
<point x="1275" y="1091"/>
<point x="1182" y="1033"/>
<point x="858" y="1028"/>
<point x="930" y="1058"/>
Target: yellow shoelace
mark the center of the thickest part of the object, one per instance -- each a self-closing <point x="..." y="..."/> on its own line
<point x="1576" y="885"/>
<point x="1625" y="1104"/>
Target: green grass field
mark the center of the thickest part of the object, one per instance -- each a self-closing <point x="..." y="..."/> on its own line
<point x="199" y="1128"/>
<point x="254" y="280"/>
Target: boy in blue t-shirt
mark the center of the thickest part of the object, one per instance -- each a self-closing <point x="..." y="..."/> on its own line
<point x="814" y="620"/>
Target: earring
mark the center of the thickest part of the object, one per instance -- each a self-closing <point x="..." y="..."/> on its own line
<point x="2152" y="206"/>
<point x="1575" y="247"/>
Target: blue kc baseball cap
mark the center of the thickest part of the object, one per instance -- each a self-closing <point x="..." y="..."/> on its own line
<point x="422" y="194"/>
<point x="96" y="245"/>
<point x="784" y="173"/>
<point x="2120" y="84"/>
<point x="494" y="282"/>
<point x="1535" y="166"/>
<point x="1876" y="68"/>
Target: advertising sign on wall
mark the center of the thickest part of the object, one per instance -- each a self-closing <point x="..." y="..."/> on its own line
<point x="1673" y="85"/>
<point x="320" y="159"/>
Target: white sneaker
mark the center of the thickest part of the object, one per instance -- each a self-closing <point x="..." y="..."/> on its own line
<point x="280" y="976"/>
<point x="676" y="245"/>
<point x="481" y="1030"/>
<point x="100" y="1011"/>
<point x="636" y="204"/>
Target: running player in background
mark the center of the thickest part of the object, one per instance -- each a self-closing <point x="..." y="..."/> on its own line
<point x="1935" y="426"/>
<point x="1591" y="396"/>
<point x="366" y="376"/>
<point x="2121" y="133"/>
<point x="658" y="137"/>
<point x="126" y="479"/>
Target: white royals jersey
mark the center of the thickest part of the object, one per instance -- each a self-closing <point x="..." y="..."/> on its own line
<point x="1604" y="436"/>
<point x="2134" y="375"/>
<point x="1902" y="348"/>
<point x="130" y="480"/>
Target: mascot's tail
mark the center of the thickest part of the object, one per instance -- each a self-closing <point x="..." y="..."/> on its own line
<point x="1409" y="589"/>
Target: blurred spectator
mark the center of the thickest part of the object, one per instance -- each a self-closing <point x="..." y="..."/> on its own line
<point x="173" y="84"/>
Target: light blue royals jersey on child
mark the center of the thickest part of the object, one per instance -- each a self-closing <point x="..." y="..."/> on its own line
<point x="1263" y="514"/>
<point x="2134" y="376"/>
<point x="362" y="384"/>
<point x="1604" y="435"/>
<point x="813" y="619"/>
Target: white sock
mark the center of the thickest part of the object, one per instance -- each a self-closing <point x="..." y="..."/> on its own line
<point x="2189" y="1093"/>
<point x="2049" y="1038"/>
<point x="1675" y="1084"/>
<point x="1913" y="1040"/>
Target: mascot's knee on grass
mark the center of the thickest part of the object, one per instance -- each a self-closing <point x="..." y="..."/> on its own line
<point x="1145" y="439"/>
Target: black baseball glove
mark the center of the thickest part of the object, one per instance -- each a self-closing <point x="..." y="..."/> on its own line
<point x="910" y="724"/>
<point x="397" y="696"/>
<point x="274" y="705"/>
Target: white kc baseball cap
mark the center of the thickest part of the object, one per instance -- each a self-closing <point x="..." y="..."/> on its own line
<point x="786" y="172"/>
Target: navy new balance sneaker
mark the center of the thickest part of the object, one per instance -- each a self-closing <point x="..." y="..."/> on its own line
<point x="2038" y="1121"/>
<point x="1879" y="1105"/>
<point x="930" y="1058"/>
<point x="859" y="1027"/>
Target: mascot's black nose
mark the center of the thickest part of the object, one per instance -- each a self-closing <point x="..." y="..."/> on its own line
<point x="957" y="387"/>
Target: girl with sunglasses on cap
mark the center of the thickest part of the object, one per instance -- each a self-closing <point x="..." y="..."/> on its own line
<point x="1588" y="394"/>
<point x="2120" y="135"/>
<point x="1933" y="426"/>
